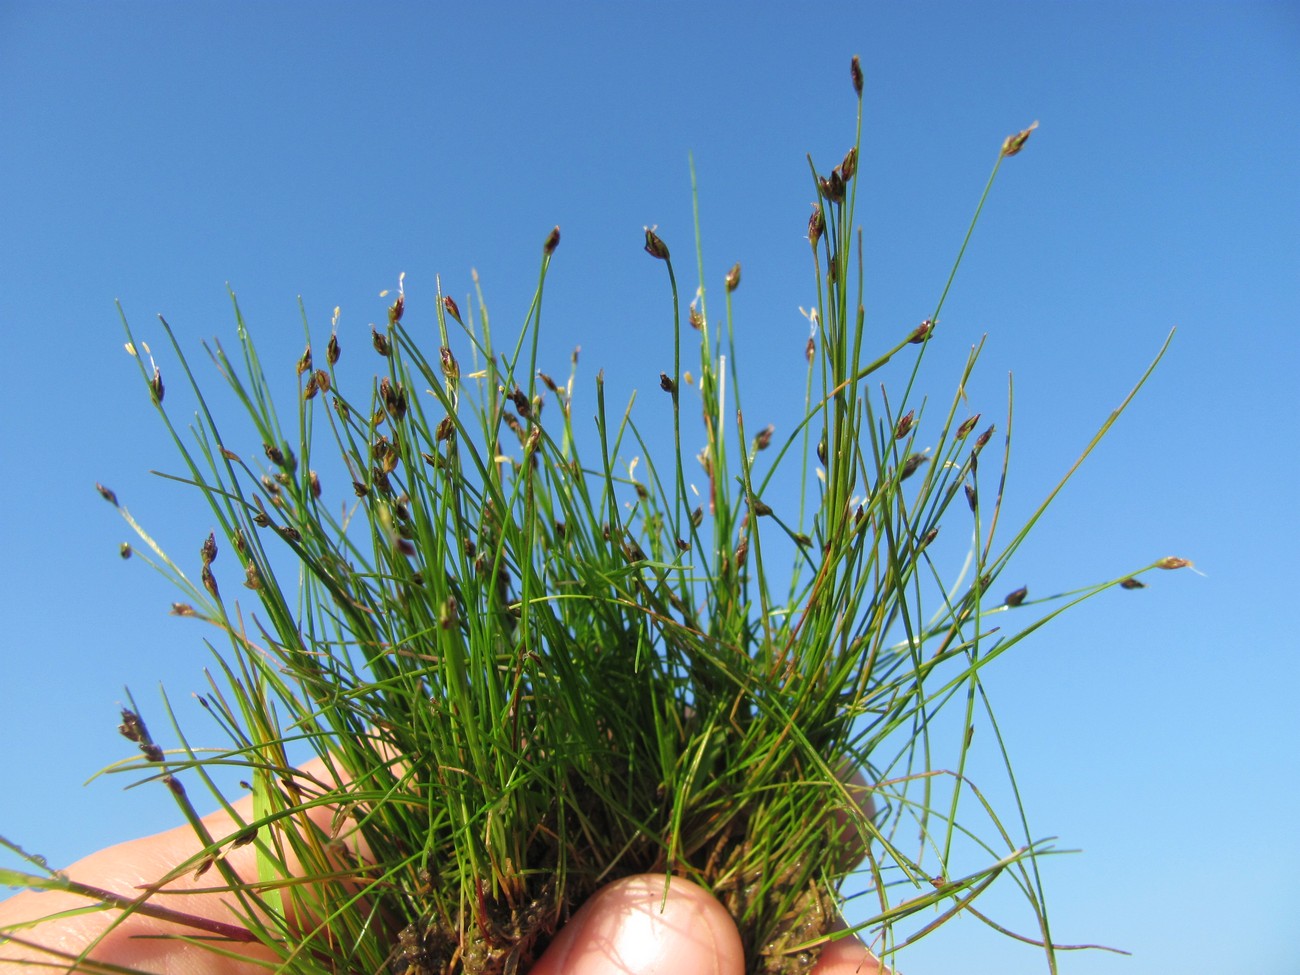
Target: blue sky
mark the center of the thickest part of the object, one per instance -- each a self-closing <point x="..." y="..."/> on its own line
<point x="154" y="152"/>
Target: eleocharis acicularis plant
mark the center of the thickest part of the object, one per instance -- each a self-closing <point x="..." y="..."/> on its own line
<point x="528" y="666"/>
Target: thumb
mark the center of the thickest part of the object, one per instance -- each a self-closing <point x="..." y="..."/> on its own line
<point x="630" y="928"/>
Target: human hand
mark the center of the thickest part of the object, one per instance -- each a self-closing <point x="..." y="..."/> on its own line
<point x="626" y="928"/>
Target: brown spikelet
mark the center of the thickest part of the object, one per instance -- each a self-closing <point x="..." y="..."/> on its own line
<point x="910" y="466"/>
<point x="904" y="425"/>
<point x="816" y="225"/>
<point x="733" y="278"/>
<point x="1014" y="143"/>
<point x="379" y="341"/>
<point x="552" y="242"/>
<point x="654" y="245"/>
<point x="966" y="426"/>
<point x="304" y="360"/>
<point x="107" y="494"/>
<point x="1016" y="597"/>
<point x="850" y="164"/>
<point x="449" y="303"/>
<point x="855" y="72"/>
<point x="332" y="349"/>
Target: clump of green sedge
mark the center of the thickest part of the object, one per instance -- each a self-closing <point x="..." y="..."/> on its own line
<point x="529" y="668"/>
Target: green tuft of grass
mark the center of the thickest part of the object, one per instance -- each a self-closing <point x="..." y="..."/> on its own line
<point x="529" y="667"/>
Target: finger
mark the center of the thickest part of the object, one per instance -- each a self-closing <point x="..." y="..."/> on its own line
<point x="630" y="927"/>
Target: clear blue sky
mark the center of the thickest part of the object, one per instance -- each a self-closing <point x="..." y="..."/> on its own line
<point x="154" y="152"/>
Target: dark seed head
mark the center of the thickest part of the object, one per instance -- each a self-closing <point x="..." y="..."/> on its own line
<point x="332" y="349"/>
<point x="967" y="426"/>
<point x="552" y="242"/>
<point x="449" y="303"/>
<point x="132" y="728"/>
<point x="904" y="426"/>
<point x="1131" y="583"/>
<point x="832" y="187"/>
<point x="666" y="383"/>
<point x="124" y="550"/>
<point x="733" y="278"/>
<point x="395" y="310"/>
<point x="1173" y="562"/>
<point x="1016" y="598"/>
<point x="208" y="551"/>
<point x="984" y="438"/>
<point x="850" y="164"/>
<point x="654" y="246"/>
<point x="156" y="389"/>
<point x="816" y="225"/>
<point x="921" y="332"/>
<point x="764" y="438"/>
<point x="210" y="582"/>
<point x="252" y="578"/>
<point x="446" y="429"/>
<point x="910" y="465"/>
<point x="520" y="399"/>
<point x="304" y="361"/>
<point x="379" y="341"/>
<point x="450" y="367"/>
<point x="107" y="494"/>
<point x="314" y="481"/>
<point x="855" y="72"/>
<point x="810" y="349"/>
<point x="972" y="498"/>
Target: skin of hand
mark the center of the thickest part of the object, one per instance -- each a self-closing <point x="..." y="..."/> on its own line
<point x="626" y="928"/>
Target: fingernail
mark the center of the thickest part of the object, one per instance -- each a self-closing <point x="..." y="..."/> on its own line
<point x="630" y="928"/>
